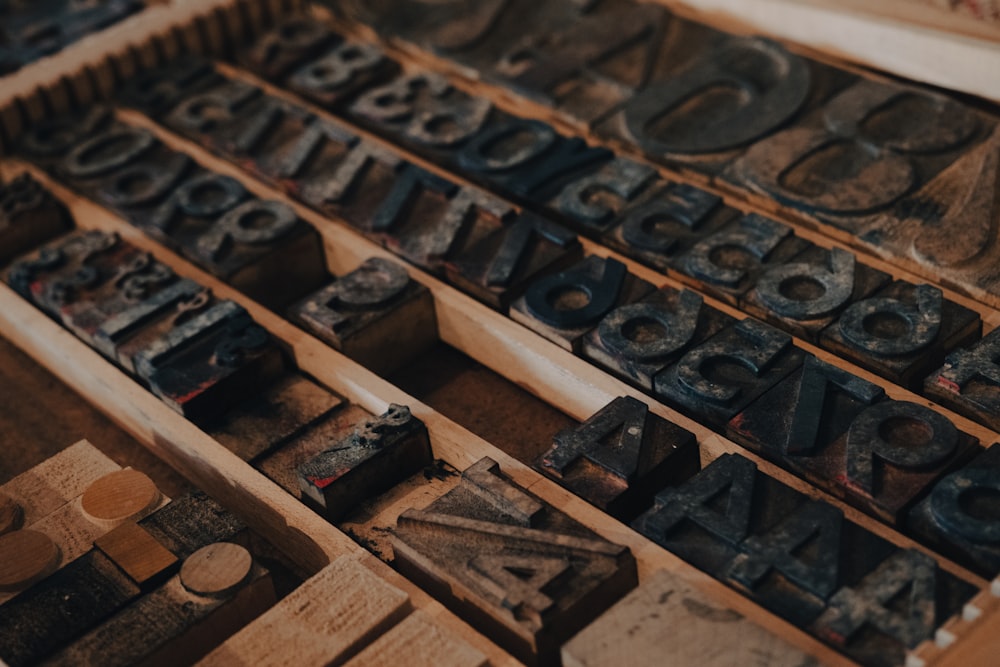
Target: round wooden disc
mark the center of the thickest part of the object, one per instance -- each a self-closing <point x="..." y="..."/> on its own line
<point x="119" y="496"/>
<point x="216" y="570"/>
<point x="26" y="556"/>
<point x="11" y="514"/>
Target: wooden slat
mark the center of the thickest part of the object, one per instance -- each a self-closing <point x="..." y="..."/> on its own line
<point x="906" y="40"/>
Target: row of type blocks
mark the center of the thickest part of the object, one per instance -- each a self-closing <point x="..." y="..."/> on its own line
<point x="637" y="459"/>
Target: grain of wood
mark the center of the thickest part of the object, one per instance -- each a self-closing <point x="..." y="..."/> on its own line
<point x="667" y="622"/>
<point x="26" y="557"/>
<point x="57" y="480"/>
<point x="418" y="642"/>
<point x="119" y="496"/>
<point x="325" y="621"/>
<point x="136" y="552"/>
<point x="216" y="570"/>
<point x="11" y="514"/>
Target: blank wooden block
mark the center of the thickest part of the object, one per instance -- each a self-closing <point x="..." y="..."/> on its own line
<point x="26" y="557"/>
<point x="136" y="552"/>
<point x="324" y="621"/>
<point x="173" y="625"/>
<point x="119" y="496"/>
<point x="667" y="622"/>
<point x="419" y="642"/>
<point x="57" y="480"/>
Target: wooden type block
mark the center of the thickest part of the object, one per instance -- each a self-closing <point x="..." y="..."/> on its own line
<point x="947" y="228"/>
<point x="420" y="642"/>
<point x="837" y="431"/>
<point x="125" y="335"/>
<point x="35" y="30"/>
<point x="564" y="306"/>
<point x="802" y="560"/>
<point x="343" y="70"/>
<point x="99" y="286"/>
<point x="669" y="622"/>
<point x="77" y="277"/>
<point x="272" y="417"/>
<point x="210" y="361"/>
<point x="583" y="61"/>
<point x="156" y="90"/>
<point x="218" y="590"/>
<point x="903" y="332"/>
<point x="47" y="142"/>
<point x="137" y="553"/>
<point x="61" y="608"/>
<point x="869" y="146"/>
<point x="499" y="266"/>
<point x="667" y="224"/>
<point x="282" y="464"/>
<point x="428" y="219"/>
<point x="524" y="573"/>
<point x="376" y="315"/>
<point x="357" y="607"/>
<point x="69" y="532"/>
<point x="425" y="113"/>
<point x="969" y="381"/>
<point x="806" y="295"/>
<point x="379" y="453"/>
<point x="527" y="160"/>
<point x="294" y="41"/>
<point x="26" y="557"/>
<point x="124" y="495"/>
<point x="620" y="457"/>
<point x="729" y="262"/>
<point x="596" y="200"/>
<point x="56" y="481"/>
<point x="959" y="516"/>
<point x="737" y="91"/>
<point x="854" y="611"/>
<point x="638" y="340"/>
<point x="259" y="246"/>
<point x="717" y="379"/>
<point x="29" y="216"/>
<point x="191" y="522"/>
<point x="418" y="214"/>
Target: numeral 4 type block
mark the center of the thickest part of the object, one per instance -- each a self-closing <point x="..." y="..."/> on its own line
<point x="526" y="574"/>
<point x="801" y="559"/>
<point x="620" y="457"/>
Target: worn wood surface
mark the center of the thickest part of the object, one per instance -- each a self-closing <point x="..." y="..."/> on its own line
<point x="327" y="619"/>
<point x="644" y="629"/>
